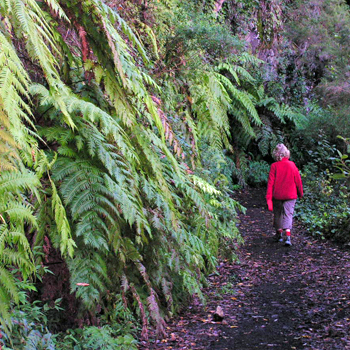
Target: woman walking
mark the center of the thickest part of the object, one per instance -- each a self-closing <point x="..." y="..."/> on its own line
<point x="283" y="188"/>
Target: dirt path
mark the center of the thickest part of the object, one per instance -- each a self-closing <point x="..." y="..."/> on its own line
<point x="276" y="298"/>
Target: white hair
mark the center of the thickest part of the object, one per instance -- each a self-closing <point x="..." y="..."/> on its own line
<point x="280" y="152"/>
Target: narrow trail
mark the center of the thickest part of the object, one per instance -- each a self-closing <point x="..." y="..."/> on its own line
<point x="277" y="297"/>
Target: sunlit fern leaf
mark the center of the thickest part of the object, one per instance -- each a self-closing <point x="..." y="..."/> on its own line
<point x="40" y="43"/>
<point x="5" y="301"/>
<point x="67" y="244"/>
<point x="91" y="113"/>
<point x="8" y="150"/>
<point x="130" y="75"/>
<point x="205" y="186"/>
<point x="152" y="39"/>
<point x="8" y="288"/>
<point x="210" y="103"/>
<point x="15" y="181"/>
<point x="14" y="82"/>
<point x="19" y="213"/>
<point x="15" y="250"/>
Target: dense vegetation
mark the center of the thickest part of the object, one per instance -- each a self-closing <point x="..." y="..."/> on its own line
<point x="125" y="128"/>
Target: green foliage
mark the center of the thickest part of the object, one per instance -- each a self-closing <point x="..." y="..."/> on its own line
<point x="13" y="90"/>
<point x="96" y="338"/>
<point x="112" y="190"/>
<point x="313" y="145"/>
<point x="15" y="213"/>
<point x="325" y="25"/>
<point x="319" y="30"/>
<point x="342" y="163"/>
<point x="324" y="209"/>
<point x="267" y="139"/>
<point x="120" y="146"/>
<point x="29" y="323"/>
<point x="194" y="30"/>
<point x="30" y="332"/>
<point x="257" y="173"/>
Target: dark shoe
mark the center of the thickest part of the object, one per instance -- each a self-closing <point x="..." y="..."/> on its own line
<point x="278" y="237"/>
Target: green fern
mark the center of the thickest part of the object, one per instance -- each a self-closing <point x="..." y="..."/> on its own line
<point x="110" y="181"/>
<point x="14" y="82"/>
<point x="15" y="251"/>
<point x="282" y="111"/>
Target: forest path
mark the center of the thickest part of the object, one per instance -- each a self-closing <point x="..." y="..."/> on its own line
<point x="277" y="297"/>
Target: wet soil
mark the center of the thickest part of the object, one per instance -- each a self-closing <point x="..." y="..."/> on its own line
<point x="275" y="297"/>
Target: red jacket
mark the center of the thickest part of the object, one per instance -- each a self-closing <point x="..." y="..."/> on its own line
<point x="284" y="181"/>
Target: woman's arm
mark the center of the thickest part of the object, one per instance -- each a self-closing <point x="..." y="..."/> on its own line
<point x="270" y="184"/>
<point x="298" y="183"/>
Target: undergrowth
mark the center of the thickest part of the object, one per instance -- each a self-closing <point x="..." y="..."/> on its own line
<point x="325" y="209"/>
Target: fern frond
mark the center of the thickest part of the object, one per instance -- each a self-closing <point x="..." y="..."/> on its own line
<point x="204" y="186"/>
<point x="67" y="244"/>
<point x="153" y="39"/>
<point x="241" y="98"/>
<point x="8" y="286"/>
<point x="246" y="57"/>
<point x="14" y="81"/>
<point x="91" y="269"/>
<point x="57" y="9"/>
<point x="14" y="181"/>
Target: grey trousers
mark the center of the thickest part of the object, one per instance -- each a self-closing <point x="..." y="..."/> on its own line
<point x="283" y="213"/>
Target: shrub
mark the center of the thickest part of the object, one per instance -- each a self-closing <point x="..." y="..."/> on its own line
<point x="257" y="173"/>
<point x="324" y="209"/>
